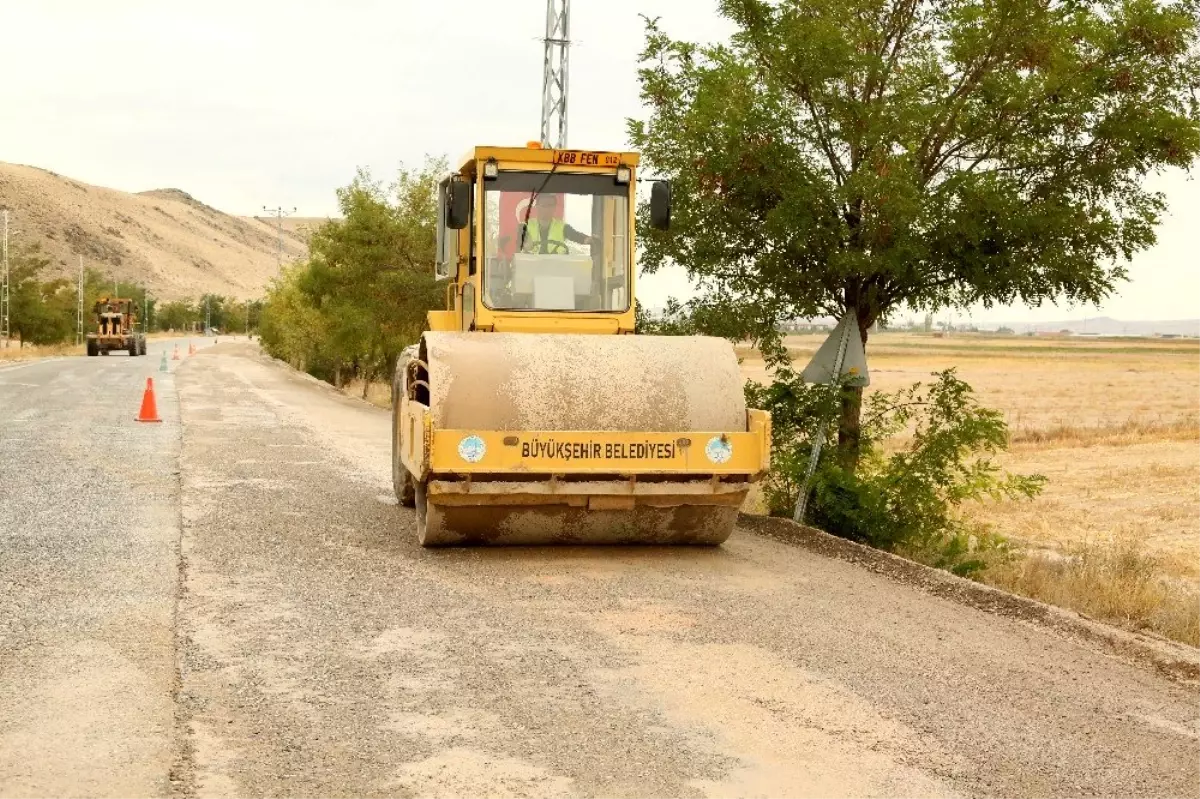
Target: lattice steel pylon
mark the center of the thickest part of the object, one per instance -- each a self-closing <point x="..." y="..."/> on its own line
<point x="5" y="330"/>
<point x="555" y="71"/>
<point x="279" y="213"/>
<point x="79" y="305"/>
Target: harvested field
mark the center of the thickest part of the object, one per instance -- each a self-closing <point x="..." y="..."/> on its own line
<point x="1115" y="426"/>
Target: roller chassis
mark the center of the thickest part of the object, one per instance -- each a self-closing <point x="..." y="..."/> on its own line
<point x="513" y="496"/>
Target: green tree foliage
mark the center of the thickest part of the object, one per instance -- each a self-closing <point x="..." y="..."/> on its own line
<point x="35" y="311"/>
<point x="177" y="315"/>
<point x="292" y="328"/>
<point x="363" y="294"/>
<point x="869" y="155"/>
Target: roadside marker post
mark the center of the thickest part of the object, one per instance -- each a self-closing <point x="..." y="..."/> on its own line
<point x="842" y="354"/>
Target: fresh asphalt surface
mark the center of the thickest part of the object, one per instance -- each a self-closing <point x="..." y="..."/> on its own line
<point x="230" y="603"/>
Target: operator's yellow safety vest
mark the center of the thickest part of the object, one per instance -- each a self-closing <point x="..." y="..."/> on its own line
<point x="557" y="241"/>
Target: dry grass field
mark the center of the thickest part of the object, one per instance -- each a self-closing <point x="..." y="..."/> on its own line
<point x="13" y="352"/>
<point x="1115" y="426"/>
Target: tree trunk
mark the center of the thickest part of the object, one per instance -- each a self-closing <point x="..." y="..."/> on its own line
<point x="850" y="420"/>
<point x="849" y="429"/>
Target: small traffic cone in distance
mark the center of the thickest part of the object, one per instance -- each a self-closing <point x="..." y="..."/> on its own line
<point x="175" y="354"/>
<point x="162" y="365"/>
<point x="149" y="411"/>
<point x="191" y="348"/>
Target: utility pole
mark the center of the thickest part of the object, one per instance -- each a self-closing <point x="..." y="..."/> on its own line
<point x="5" y="330"/>
<point x="79" y="305"/>
<point x="279" y="213"/>
<point x="555" y="72"/>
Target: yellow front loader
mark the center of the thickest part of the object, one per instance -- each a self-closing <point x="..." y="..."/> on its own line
<point x="528" y="413"/>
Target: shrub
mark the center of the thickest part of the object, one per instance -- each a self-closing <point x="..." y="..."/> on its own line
<point x="905" y="500"/>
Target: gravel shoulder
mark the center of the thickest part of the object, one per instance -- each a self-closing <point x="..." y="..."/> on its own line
<point x="324" y="653"/>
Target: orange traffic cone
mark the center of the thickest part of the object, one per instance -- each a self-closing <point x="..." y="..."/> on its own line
<point x="175" y="354"/>
<point x="191" y="348"/>
<point x="149" y="412"/>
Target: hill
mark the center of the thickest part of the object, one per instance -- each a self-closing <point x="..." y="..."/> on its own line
<point x="164" y="238"/>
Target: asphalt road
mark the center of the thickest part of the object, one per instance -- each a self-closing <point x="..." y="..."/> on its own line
<point x="89" y="535"/>
<point x="231" y="603"/>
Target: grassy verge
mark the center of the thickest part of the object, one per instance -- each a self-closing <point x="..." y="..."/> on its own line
<point x="31" y="352"/>
<point x="1117" y="582"/>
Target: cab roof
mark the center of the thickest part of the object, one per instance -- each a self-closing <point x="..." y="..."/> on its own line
<point x="533" y="153"/>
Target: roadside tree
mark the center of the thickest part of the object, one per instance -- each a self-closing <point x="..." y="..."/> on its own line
<point x="868" y="156"/>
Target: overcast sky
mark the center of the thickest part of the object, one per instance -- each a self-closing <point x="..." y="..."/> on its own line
<point x="252" y="103"/>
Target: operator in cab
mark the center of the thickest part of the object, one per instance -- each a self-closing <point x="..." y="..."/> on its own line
<point x="547" y="232"/>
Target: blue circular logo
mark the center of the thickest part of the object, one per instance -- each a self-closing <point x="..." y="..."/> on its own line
<point x="472" y="449"/>
<point x="718" y="449"/>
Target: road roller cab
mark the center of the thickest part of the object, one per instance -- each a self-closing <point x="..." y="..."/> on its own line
<point x="528" y="413"/>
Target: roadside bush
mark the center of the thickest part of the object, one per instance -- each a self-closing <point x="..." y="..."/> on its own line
<point x="904" y="500"/>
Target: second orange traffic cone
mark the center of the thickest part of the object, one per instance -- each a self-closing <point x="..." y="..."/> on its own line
<point x="149" y="412"/>
<point x="191" y="348"/>
<point x="175" y="354"/>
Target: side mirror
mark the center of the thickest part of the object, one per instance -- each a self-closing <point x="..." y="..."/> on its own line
<point x="660" y="205"/>
<point x="458" y="204"/>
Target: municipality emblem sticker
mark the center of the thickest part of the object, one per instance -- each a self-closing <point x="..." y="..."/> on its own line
<point x="471" y="449"/>
<point x="718" y="450"/>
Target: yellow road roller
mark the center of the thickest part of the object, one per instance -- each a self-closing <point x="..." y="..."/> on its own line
<point x="529" y="413"/>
